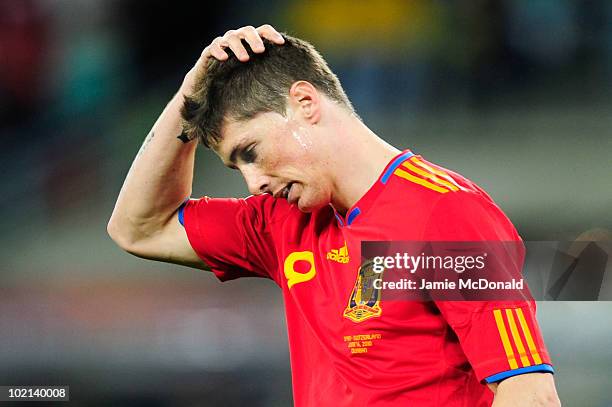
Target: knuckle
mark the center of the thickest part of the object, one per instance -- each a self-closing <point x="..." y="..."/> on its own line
<point x="233" y="37"/>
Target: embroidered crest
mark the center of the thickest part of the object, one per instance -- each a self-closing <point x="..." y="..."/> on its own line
<point x="364" y="302"/>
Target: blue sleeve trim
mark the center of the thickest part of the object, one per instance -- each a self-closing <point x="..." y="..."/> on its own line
<point x="529" y="369"/>
<point x="181" y="215"/>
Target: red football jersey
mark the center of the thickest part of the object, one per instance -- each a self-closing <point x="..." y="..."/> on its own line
<point x="344" y="351"/>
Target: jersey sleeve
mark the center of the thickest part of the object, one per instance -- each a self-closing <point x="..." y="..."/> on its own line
<point x="500" y="338"/>
<point x="233" y="236"/>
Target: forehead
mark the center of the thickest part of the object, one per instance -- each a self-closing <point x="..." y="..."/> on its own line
<point x="232" y="134"/>
<point x="235" y="133"/>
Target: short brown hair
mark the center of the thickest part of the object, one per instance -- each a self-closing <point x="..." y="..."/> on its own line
<point x="237" y="90"/>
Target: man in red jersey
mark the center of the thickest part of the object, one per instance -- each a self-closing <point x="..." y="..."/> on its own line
<point x="323" y="182"/>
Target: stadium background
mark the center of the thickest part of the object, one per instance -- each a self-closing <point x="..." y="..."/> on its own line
<point x="513" y="94"/>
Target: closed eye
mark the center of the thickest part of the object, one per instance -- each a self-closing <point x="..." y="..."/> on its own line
<point x="249" y="155"/>
<point x="242" y="152"/>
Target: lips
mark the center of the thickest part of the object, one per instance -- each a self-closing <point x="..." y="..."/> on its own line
<point x="292" y="195"/>
<point x="287" y="190"/>
<point x="284" y="193"/>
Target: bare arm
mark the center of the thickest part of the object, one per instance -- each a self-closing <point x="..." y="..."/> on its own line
<point x="144" y="221"/>
<point x="158" y="181"/>
<point x="529" y="390"/>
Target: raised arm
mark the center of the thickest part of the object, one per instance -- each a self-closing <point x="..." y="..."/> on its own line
<point x="145" y="220"/>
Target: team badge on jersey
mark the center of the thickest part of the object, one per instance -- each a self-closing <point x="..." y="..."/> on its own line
<point x="364" y="302"/>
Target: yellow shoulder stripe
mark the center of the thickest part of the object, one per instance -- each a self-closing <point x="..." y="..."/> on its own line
<point x="435" y="171"/>
<point x="418" y="172"/>
<point x="401" y="173"/>
<point x="431" y="176"/>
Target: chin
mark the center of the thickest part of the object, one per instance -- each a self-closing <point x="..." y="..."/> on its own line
<point x="310" y="205"/>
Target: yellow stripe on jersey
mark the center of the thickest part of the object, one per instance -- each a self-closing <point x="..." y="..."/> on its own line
<point x="532" y="347"/>
<point x="436" y="171"/>
<point x="517" y="338"/>
<point x="503" y="334"/>
<point x="430" y="175"/>
<point x="401" y="173"/>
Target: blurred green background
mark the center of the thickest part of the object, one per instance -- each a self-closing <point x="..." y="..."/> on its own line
<point x="513" y="94"/>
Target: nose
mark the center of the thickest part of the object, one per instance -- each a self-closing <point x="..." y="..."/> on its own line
<point x="257" y="182"/>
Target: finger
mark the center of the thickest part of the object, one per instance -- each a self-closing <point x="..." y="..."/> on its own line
<point x="235" y="44"/>
<point x="269" y="32"/>
<point x="252" y="37"/>
<point x="215" y="50"/>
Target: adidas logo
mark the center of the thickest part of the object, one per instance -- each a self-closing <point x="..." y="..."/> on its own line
<point x="339" y="255"/>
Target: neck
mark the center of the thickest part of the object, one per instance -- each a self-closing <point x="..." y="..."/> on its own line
<point x="361" y="156"/>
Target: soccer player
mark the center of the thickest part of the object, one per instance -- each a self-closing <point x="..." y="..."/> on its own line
<point x="322" y="182"/>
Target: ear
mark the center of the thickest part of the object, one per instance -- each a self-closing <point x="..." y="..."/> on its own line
<point x="305" y="99"/>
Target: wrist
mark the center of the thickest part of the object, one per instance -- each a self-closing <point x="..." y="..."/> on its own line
<point x="186" y="88"/>
<point x="177" y="103"/>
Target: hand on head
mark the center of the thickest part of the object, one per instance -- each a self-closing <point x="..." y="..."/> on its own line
<point x="232" y="40"/>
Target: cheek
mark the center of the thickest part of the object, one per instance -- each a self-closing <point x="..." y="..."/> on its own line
<point x="288" y="159"/>
<point x="301" y="143"/>
<point x="292" y="153"/>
